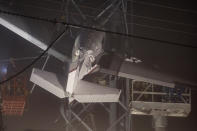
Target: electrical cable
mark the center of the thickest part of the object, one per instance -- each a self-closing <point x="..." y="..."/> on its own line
<point x="92" y="8"/>
<point x="36" y="59"/>
<point x="114" y="20"/>
<point x="164" y="6"/>
<point x="145" y="3"/>
<point x="101" y="30"/>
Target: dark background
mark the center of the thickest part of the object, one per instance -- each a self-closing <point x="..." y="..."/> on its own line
<point x="43" y="108"/>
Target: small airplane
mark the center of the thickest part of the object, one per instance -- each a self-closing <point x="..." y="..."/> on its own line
<point x="86" y="54"/>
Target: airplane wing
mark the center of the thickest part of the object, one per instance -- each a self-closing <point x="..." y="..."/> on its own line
<point x="141" y="72"/>
<point x="88" y="92"/>
<point x="48" y="81"/>
<point x="82" y="91"/>
<point x="38" y="35"/>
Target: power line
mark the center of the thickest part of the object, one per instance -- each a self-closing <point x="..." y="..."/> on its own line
<point x="164" y="29"/>
<point x="142" y="25"/>
<point x="92" y="8"/>
<point x="145" y="3"/>
<point x="101" y="30"/>
<point x="36" y="59"/>
<point x="164" y="6"/>
<point x="144" y="17"/>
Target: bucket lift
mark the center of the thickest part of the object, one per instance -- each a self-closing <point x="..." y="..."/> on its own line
<point x="14" y="94"/>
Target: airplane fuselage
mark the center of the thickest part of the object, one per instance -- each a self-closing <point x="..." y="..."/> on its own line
<point x="88" y="42"/>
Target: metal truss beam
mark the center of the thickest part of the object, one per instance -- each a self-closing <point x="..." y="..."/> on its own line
<point x="127" y="102"/>
<point x="29" y="37"/>
<point x="70" y="116"/>
<point x="105" y="10"/>
<point x="124" y="11"/>
<point x="113" y="106"/>
<point x="116" y="122"/>
<point x="82" y="122"/>
<point x="107" y="109"/>
<point x="79" y="10"/>
<point x="124" y="119"/>
<point x="81" y="112"/>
